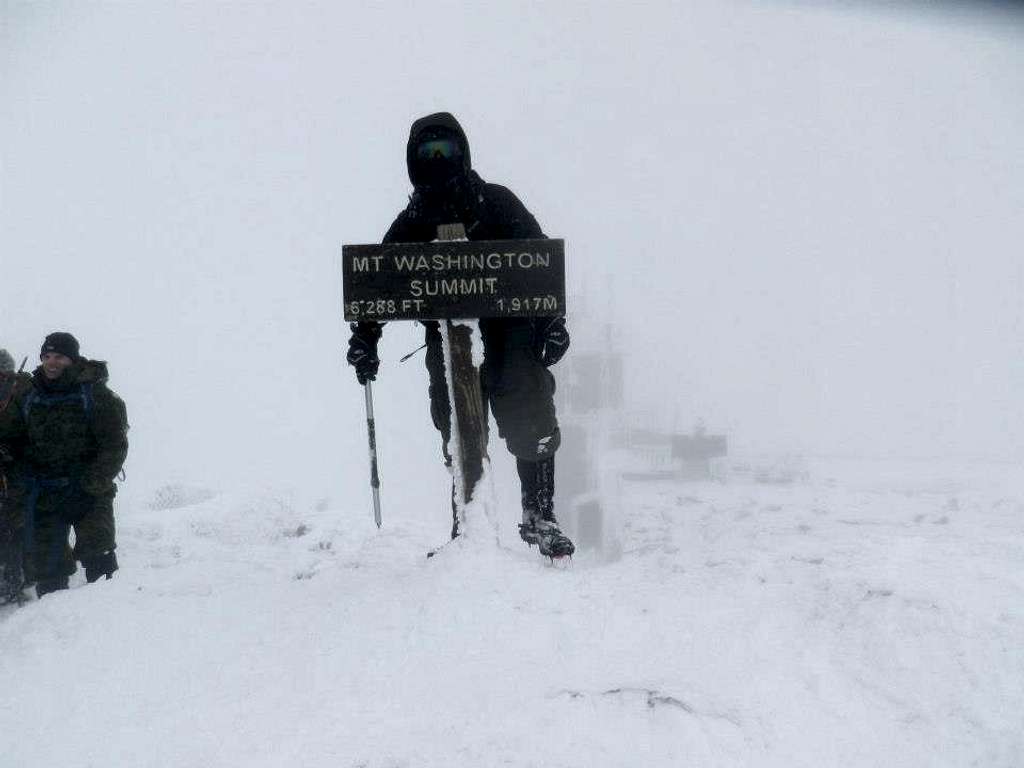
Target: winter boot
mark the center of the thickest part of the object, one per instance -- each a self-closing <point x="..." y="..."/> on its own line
<point x="551" y="541"/>
<point x="531" y="513"/>
<point x="538" y="495"/>
<point x="101" y="565"/>
<point x="12" y="578"/>
<point x="11" y="584"/>
<point x="46" y="586"/>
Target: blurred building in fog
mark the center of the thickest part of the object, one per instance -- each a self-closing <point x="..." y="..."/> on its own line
<point x="694" y="453"/>
<point x="604" y="439"/>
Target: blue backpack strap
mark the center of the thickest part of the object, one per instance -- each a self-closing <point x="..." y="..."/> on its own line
<point x="26" y="405"/>
<point x="87" y="397"/>
<point x="84" y="395"/>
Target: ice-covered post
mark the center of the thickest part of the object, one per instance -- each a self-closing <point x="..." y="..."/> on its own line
<point x="454" y="281"/>
<point x="469" y="417"/>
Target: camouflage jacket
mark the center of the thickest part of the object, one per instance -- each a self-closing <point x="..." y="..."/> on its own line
<point x="76" y="427"/>
<point x="13" y="388"/>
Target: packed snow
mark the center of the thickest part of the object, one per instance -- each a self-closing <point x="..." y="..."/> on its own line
<point x="867" y="614"/>
<point x="802" y="223"/>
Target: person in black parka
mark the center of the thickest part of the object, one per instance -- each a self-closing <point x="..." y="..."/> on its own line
<point x="517" y="351"/>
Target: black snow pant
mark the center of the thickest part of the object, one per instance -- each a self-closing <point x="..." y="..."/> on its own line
<point x="516" y="385"/>
<point x="520" y="393"/>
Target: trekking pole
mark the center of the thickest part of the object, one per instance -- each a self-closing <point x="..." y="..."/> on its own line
<point x="372" y="433"/>
<point x="406" y="357"/>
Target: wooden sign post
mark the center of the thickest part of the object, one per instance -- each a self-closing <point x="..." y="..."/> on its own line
<point x="449" y="280"/>
<point x="469" y="416"/>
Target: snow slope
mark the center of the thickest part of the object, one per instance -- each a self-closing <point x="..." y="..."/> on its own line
<point x="871" y="616"/>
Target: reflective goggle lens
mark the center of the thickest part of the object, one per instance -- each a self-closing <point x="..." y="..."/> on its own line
<point x="444" y="149"/>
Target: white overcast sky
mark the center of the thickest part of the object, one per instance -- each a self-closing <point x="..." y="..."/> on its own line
<point x="804" y="221"/>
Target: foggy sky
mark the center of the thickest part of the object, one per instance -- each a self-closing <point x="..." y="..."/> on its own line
<point x="804" y="224"/>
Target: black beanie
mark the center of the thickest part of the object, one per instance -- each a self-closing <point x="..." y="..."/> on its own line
<point x="61" y="342"/>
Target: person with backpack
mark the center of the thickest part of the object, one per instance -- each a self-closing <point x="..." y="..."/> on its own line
<point x="517" y="352"/>
<point x="76" y="431"/>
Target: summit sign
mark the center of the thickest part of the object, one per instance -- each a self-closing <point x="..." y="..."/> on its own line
<point x="453" y="279"/>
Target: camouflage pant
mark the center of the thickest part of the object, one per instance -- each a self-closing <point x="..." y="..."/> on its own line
<point x="10" y="505"/>
<point x="519" y="389"/>
<point x="48" y="554"/>
<point x="11" y="526"/>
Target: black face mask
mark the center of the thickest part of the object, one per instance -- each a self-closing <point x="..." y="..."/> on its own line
<point x="438" y="161"/>
<point x="457" y="200"/>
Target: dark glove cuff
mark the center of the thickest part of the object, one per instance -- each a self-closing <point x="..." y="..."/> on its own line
<point x="366" y="331"/>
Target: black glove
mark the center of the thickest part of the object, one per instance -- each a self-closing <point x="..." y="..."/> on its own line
<point x="362" y="350"/>
<point x="552" y="339"/>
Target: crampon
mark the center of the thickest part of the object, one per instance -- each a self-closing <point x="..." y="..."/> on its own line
<point x="549" y="539"/>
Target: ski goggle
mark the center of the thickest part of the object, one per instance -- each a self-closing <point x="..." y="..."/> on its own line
<point x="443" y="149"/>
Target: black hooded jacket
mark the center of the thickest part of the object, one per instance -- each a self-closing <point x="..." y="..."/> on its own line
<point x="488" y="211"/>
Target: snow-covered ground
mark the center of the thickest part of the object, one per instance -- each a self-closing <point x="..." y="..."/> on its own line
<point x="872" y="615"/>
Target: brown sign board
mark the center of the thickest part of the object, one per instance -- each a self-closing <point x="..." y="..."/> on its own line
<point x="459" y="279"/>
